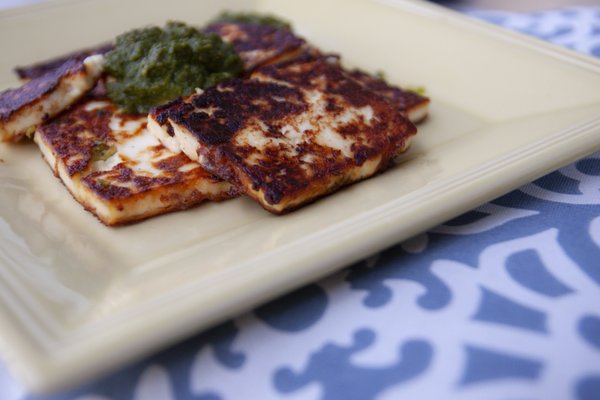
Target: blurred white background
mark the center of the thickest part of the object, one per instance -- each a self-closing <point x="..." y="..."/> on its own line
<point x="513" y="5"/>
<point x="15" y="3"/>
<point x="516" y="5"/>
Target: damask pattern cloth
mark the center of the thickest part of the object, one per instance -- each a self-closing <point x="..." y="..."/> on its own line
<point x="502" y="302"/>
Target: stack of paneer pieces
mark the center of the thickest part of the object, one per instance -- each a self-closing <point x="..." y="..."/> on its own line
<point x="296" y="127"/>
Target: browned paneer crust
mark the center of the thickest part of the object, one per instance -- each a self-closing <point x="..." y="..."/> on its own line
<point x="38" y="69"/>
<point x="40" y="99"/>
<point x="411" y="104"/>
<point x="259" y="44"/>
<point x="117" y="170"/>
<point x="291" y="133"/>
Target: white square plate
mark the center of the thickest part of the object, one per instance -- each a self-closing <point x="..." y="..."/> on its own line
<point x="78" y="298"/>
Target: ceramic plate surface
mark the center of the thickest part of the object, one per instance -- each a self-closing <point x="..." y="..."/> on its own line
<point x="78" y="298"/>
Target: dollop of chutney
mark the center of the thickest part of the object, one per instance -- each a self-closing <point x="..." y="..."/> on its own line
<point x="152" y="66"/>
<point x="253" y="18"/>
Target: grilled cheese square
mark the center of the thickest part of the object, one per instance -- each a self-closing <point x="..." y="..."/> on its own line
<point x="259" y="44"/>
<point x="46" y="96"/>
<point x="411" y="104"/>
<point x="414" y="106"/>
<point x="117" y="170"/>
<point x="291" y="133"/>
<point x="39" y="69"/>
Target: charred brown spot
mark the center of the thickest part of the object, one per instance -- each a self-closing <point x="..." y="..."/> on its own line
<point x="172" y="164"/>
<point x="101" y="184"/>
<point x="402" y="99"/>
<point x="362" y="154"/>
<point x="12" y="100"/>
<point x="122" y="182"/>
<point x="74" y="134"/>
<point x="170" y="130"/>
<point x="314" y="71"/>
<point x="234" y="104"/>
<point x="38" y="69"/>
<point x="123" y="173"/>
<point x="257" y="44"/>
<point x="332" y="106"/>
<point x="161" y="113"/>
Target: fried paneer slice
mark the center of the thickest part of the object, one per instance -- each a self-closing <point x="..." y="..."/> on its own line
<point x="290" y="134"/>
<point x="411" y="104"/>
<point x="38" y="69"/>
<point x="117" y="170"/>
<point x="40" y="99"/>
<point x="259" y="44"/>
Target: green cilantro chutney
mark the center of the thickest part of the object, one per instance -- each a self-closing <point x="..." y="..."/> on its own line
<point x="253" y="18"/>
<point x="152" y="66"/>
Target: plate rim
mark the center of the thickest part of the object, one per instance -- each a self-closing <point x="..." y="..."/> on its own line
<point x="38" y="375"/>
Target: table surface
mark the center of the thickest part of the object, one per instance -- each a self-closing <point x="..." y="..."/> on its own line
<point x="499" y="303"/>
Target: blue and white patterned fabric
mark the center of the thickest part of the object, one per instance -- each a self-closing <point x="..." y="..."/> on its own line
<point x="502" y="302"/>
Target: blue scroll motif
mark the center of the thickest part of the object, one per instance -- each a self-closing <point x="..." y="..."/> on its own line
<point x="588" y="388"/>
<point x="487" y="365"/>
<point x="296" y="311"/>
<point x="527" y="269"/>
<point x="499" y="309"/>
<point x="340" y="379"/>
<point x="589" y="328"/>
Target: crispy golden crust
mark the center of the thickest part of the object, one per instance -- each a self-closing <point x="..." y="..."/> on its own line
<point x="405" y="100"/>
<point x="258" y="44"/>
<point x="36" y="70"/>
<point x="161" y="113"/>
<point x="124" y="182"/>
<point x="44" y="97"/>
<point x="73" y="134"/>
<point x="12" y="101"/>
<point x="293" y="132"/>
<point x="139" y="180"/>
